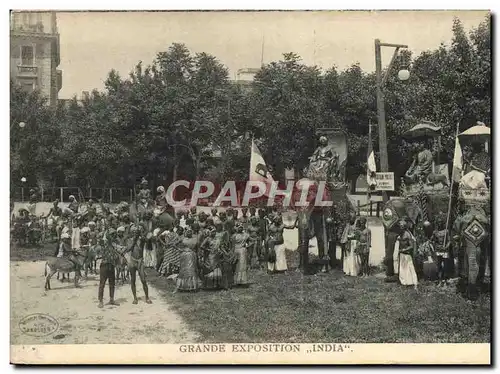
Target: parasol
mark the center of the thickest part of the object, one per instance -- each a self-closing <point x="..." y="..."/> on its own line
<point x="476" y="134"/>
<point x="423" y="129"/>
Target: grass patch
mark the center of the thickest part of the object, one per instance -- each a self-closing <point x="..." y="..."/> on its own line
<point x="329" y="308"/>
<point x="323" y="308"/>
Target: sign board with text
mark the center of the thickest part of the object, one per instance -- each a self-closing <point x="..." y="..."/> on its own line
<point x="385" y="181"/>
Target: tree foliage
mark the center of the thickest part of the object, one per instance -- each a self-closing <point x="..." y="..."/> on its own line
<point x="181" y="116"/>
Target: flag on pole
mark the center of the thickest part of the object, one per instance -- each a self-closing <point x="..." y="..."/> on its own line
<point x="258" y="169"/>
<point x="371" y="165"/>
<point x="456" y="174"/>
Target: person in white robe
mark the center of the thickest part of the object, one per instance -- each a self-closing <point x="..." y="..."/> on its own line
<point x="407" y="249"/>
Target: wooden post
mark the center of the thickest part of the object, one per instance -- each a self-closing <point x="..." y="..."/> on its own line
<point x="131" y="195"/>
<point x="110" y="195"/>
<point x="90" y="193"/>
<point x="382" y="134"/>
<point x="371" y="208"/>
<point x="22" y="194"/>
<point x="41" y="192"/>
<point x="384" y="159"/>
<point x="61" y="194"/>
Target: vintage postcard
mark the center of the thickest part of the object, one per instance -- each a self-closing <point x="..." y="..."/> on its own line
<point x="250" y="187"/>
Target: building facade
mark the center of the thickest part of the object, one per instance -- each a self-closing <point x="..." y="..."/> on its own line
<point x="35" y="53"/>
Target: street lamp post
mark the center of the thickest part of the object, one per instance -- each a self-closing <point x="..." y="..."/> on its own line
<point x="23" y="180"/>
<point x="381" y="80"/>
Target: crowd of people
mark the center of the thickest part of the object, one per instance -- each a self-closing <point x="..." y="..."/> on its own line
<point x="202" y="250"/>
<point x="198" y="250"/>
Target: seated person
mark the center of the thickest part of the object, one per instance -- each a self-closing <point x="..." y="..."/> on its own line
<point x="421" y="166"/>
<point x="478" y="169"/>
<point x="322" y="157"/>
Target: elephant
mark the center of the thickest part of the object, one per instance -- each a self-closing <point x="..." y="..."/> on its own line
<point x="321" y="222"/>
<point x="471" y="241"/>
<point x="395" y="210"/>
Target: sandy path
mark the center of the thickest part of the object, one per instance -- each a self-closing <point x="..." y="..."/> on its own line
<point x="81" y="321"/>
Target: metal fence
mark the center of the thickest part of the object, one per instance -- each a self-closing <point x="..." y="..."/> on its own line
<point x="108" y="195"/>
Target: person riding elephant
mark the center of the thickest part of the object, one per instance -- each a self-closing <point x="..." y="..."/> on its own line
<point x="323" y="160"/>
<point x="421" y="166"/>
<point x="471" y="242"/>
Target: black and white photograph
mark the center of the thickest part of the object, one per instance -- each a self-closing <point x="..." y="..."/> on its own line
<point x="250" y="187"/>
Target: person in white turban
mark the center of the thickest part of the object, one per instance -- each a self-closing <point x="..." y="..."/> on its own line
<point x="73" y="204"/>
<point x="64" y="245"/>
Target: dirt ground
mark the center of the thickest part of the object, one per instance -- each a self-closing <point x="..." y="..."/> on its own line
<point x="81" y="321"/>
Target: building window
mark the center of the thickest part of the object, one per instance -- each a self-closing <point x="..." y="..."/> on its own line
<point x="27" y="55"/>
<point x="27" y="86"/>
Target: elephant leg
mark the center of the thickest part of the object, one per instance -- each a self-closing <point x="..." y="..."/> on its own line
<point x="332" y="253"/>
<point x="482" y="257"/>
<point x="304" y="249"/>
<point x="317" y="220"/>
<point x="473" y="256"/>
<point x="472" y="270"/>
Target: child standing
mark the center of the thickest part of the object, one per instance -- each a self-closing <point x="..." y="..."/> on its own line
<point x="365" y="243"/>
<point x="350" y="243"/>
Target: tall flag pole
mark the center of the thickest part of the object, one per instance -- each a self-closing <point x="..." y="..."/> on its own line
<point x="456" y="175"/>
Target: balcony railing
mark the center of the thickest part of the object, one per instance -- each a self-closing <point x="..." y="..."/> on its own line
<point x="27" y="70"/>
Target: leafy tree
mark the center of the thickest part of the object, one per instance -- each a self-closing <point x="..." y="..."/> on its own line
<point x="32" y="147"/>
<point x="181" y="116"/>
<point x="287" y="100"/>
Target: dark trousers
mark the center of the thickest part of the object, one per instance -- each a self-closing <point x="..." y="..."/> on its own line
<point x="365" y="263"/>
<point x="390" y="242"/>
<point x="106" y="271"/>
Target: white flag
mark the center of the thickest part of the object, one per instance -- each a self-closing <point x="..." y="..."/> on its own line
<point x="372" y="169"/>
<point x="457" y="162"/>
<point x="258" y="168"/>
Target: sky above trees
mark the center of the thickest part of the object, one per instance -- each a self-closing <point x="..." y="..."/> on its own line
<point x="94" y="43"/>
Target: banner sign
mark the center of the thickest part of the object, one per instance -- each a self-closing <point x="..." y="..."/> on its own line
<point x="385" y="181"/>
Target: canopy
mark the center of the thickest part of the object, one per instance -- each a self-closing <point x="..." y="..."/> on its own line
<point x="476" y="134"/>
<point x="423" y="129"/>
